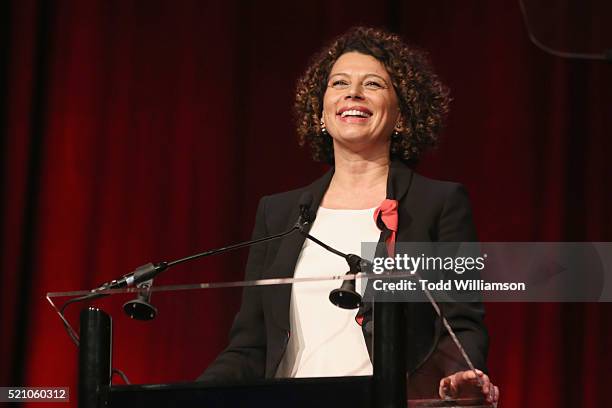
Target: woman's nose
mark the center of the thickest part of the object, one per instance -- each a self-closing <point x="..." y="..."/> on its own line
<point x="354" y="92"/>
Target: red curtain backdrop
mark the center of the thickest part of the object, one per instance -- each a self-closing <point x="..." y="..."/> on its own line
<point x="136" y="131"/>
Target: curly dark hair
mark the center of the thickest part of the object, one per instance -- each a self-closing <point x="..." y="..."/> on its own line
<point x="423" y="99"/>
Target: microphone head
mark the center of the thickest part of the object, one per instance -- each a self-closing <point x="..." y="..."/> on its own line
<point x="307" y="215"/>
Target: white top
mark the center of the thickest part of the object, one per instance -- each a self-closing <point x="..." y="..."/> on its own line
<point x="325" y="340"/>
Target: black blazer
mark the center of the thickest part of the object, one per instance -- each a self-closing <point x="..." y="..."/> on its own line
<point x="428" y="211"/>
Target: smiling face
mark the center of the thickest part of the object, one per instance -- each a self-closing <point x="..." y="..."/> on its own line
<point x="360" y="107"/>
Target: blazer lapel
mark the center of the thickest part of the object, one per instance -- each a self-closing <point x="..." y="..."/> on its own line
<point x="289" y="252"/>
<point x="398" y="184"/>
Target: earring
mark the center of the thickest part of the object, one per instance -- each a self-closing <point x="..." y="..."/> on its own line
<point x="323" y="128"/>
<point x="397" y="129"/>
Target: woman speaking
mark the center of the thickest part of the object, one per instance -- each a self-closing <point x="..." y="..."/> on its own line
<point x="369" y="106"/>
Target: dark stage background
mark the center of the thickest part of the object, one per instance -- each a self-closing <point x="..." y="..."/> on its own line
<point x="147" y="130"/>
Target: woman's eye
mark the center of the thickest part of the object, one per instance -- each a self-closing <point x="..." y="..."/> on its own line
<point x="373" y="84"/>
<point x="339" y="83"/>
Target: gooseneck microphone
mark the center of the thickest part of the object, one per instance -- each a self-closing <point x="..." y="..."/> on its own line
<point x="345" y="297"/>
<point x="145" y="273"/>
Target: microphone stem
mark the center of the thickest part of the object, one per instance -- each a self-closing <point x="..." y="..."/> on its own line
<point x="330" y="249"/>
<point x="230" y="247"/>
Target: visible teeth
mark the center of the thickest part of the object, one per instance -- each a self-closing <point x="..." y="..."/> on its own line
<point x="355" y="112"/>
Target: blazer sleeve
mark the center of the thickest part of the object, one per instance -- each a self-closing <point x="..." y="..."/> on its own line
<point x="466" y="319"/>
<point x="245" y="357"/>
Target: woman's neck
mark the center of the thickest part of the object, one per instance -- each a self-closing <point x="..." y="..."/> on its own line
<point x="358" y="182"/>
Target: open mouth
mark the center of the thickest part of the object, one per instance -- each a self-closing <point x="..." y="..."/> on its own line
<point x="354" y="112"/>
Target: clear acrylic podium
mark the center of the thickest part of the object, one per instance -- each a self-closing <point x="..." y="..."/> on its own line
<point x="101" y="323"/>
